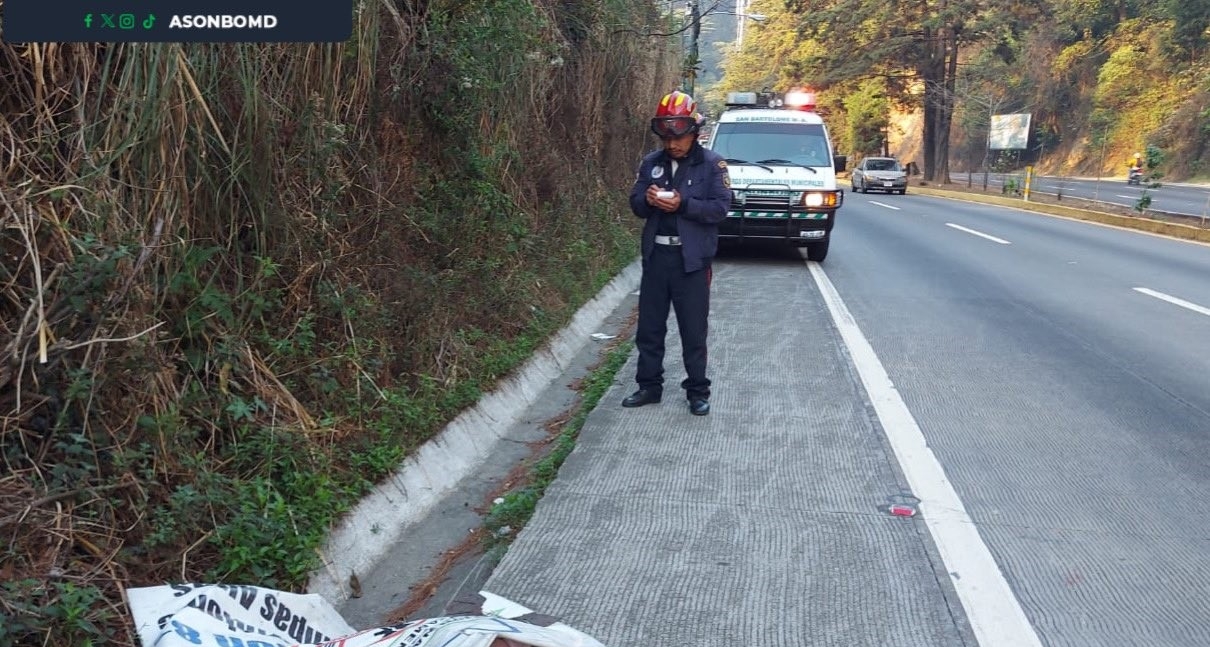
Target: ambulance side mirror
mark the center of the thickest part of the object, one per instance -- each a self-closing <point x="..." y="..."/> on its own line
<point x="842" y="162"/>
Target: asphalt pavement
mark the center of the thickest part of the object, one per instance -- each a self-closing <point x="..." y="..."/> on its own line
<point x="1060" y="371"/>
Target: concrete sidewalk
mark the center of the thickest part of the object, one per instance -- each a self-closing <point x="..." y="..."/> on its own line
<point x="762" y="524"/>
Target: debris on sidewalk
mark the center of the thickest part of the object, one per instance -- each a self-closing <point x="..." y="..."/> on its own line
<point x="221" y="615"/>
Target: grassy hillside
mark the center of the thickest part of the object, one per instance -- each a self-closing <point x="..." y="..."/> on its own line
<point x="241" y="283"/>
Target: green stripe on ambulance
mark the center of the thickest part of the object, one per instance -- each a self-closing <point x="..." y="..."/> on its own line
<point x="776" y="214"/>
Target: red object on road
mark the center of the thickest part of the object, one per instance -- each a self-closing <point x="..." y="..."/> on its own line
<point x="903" y="511"/>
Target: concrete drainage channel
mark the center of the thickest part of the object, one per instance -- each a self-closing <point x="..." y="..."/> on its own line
<point x="414" y="542"/>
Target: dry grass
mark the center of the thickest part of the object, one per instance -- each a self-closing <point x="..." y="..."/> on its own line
<point x="247" y="270"/>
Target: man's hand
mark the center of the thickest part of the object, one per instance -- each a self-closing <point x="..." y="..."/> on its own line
<point x="667" y="205"/>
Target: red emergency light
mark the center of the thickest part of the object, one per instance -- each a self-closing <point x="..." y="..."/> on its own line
<point x="800" y="100"/>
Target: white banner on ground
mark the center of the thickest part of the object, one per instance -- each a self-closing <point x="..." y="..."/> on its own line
<point x="188" y="615"/>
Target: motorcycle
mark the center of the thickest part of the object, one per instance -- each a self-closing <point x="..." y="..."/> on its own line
<point x="1135" y="176"/>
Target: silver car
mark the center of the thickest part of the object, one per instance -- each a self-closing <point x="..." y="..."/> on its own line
<point x="879" y="174"/>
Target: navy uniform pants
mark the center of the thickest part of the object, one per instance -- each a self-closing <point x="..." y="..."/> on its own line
<point x="665" y="283"/>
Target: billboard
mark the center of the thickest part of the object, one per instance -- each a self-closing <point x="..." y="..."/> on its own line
<point x="1009" y="132"/>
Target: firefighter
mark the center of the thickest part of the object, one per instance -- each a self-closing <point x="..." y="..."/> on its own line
<point x="683" y="192"/>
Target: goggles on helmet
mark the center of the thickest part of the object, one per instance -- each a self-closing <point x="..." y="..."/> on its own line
<point x="672" y="127"/>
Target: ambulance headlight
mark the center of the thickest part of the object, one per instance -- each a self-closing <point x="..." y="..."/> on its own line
<point x="815" y="199"/>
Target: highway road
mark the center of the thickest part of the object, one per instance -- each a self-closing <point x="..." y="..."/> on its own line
<point x="1060" y="372"/>
<point x="1189" y="199"/>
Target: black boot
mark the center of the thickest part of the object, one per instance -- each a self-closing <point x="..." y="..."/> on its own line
<point x="641" y="397"/>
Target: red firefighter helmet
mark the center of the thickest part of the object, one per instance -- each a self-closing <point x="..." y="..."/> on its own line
<point x="676" y="116"/>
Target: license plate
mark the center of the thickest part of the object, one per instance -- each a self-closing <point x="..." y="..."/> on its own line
<point x="888" y="184"/>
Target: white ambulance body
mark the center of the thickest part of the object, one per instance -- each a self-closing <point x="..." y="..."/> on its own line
<point x="782" y="168"/>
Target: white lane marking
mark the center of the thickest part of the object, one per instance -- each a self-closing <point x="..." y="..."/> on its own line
<point x="994" y="613"/>
<point x="1171" y="299"/>
<point x="1077" y="221"/>
<point x="884" y="205"/>
<point x="1128" y="197"/>
<point x="978" y="233"/>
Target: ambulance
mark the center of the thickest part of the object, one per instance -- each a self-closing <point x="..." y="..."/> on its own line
<point x="783" y="170"/>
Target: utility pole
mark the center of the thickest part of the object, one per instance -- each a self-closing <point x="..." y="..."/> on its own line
<point x="695" y="15"/>
<point x="741" y="12"/>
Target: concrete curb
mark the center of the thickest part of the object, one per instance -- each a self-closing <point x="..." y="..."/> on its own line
<point x="366" y="533"/>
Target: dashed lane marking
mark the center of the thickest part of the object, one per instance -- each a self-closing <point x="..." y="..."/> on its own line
<point x="1174" y="300"/>
<point x="978" y="233"/>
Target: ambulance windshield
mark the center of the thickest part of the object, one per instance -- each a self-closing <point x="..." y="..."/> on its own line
<point x="799" y="143"/>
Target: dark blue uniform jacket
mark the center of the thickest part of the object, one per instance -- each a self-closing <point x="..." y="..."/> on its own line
<point x="705" y="190"/>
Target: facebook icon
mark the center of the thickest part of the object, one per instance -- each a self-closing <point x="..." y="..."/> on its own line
<point x="88" y="21"/>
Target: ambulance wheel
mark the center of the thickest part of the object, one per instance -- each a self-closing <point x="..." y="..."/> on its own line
<point x="817" y="251"/>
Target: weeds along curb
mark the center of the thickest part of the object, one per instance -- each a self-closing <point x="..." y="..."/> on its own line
<point x="1175" y="230"/>
<point x="510" y="507"/>
<point x="367" y="532"/>
<point x="510" y="513"/>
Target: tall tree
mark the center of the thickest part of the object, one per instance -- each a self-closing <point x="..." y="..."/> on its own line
<point x="1095" y="19"/>
<point x="868" y="117"/>
<point x="1190" y="20"/>
<point x="769" y="53"/>
<point x="915" y="44"/>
